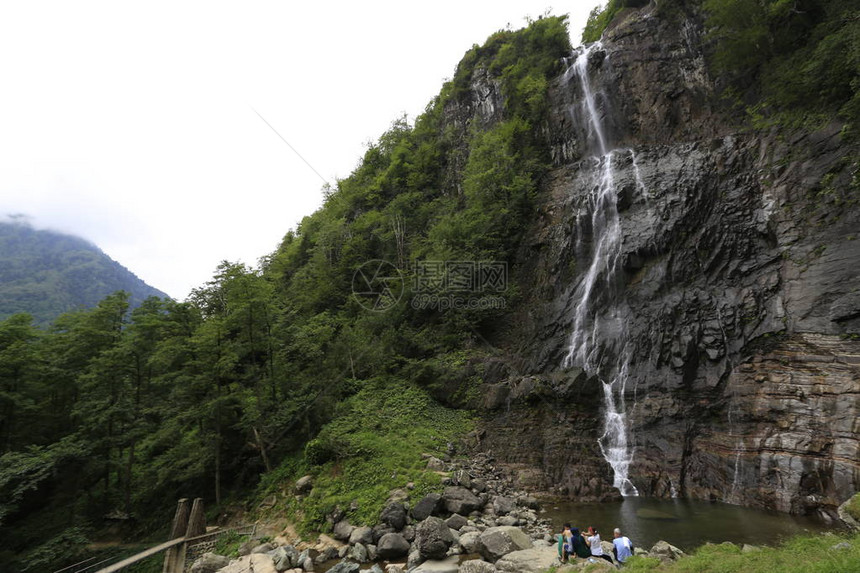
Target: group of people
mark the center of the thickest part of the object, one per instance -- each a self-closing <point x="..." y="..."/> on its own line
<point x="571" y="542"/>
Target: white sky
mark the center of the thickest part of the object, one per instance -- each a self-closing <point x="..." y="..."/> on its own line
<point x="131" y="124"/>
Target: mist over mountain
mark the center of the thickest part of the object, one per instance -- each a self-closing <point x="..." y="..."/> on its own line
<point x="46" y="273"/>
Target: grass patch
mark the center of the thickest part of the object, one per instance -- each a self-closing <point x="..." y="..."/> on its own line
<point x="229" y="543"/>
<point x="822" y="553"/>
<point x="373" y="445"/>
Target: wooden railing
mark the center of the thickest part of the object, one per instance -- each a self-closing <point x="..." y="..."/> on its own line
<point x="188" y="538"/>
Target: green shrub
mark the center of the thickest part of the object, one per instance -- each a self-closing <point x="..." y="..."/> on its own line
<point x="375" y="442"/>
<point x="853" y="507"/>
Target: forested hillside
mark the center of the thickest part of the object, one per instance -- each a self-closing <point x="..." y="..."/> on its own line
<point x="360" y="342"/>
<point x="45" y="273"/>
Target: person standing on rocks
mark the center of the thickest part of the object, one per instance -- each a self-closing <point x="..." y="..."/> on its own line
<point x="592" y="539"/>
<point x="623" y="547"/>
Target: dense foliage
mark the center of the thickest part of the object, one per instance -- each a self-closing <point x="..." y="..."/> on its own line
<point x="45" y="274"/>
<point x="602" y="16"/>
<point x="797" y="56"/>
<point x="111" y="414"/>
<point x="785" y="62"/>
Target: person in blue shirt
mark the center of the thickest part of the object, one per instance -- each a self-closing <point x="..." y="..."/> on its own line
<point x="622" y="547"/>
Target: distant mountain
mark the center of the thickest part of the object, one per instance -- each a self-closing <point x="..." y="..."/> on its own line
<point x="46" y="273"/>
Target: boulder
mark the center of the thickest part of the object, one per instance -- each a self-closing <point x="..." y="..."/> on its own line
<point x="345" y="567"/>
<point x="504" y="505"/>
<point x="394" y="568"/>
<point x="469" y="541"/>
<point x="394" y="515"/>
<point x="433" y="538"/>
<point x="379" y="530"/>
<point x="327" y="554"/>
<point x="256" y="563"/>
<point x="358" y="553"/>
<point x="458" y="499"/>
<point x="496" y="542"/>
<point x="456" y="521"/>
<point x="209" y="563"/>
<point x="477" y="566"/>
<point x="363" y="535"/>
<point x="529" y="502"/>
<point x="429" y="505"/>
<point x="531" y="560"/>
<point x="449" y="565"/>
<point x="262" y="548"/>
<point x="848" y="514"/>
<point x="436" y="465"/>
<point x="413" y="559"/>
<point x="284" y="557"/>
<point x="665" y="551"/>
<point x="342" y="530"/>
<point x="392" y="546"/>
<point x="304" y="484"/>
<point x="461" y="477"/>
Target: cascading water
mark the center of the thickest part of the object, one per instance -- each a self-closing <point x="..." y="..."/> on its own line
<point x="598" y="342"/>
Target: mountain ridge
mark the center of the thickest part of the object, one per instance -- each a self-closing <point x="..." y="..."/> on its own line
<point x="46" y="273"/>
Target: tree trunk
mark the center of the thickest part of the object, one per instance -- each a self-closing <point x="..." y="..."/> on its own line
<point x="128" y="468"/>
<point x="262" y="446"/>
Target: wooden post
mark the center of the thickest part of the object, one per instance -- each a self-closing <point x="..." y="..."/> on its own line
<point x="177" y="529"/>
<point x="197" y="521"/>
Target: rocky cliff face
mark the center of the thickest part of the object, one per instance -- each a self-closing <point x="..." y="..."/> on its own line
<point x="738" y="292"/>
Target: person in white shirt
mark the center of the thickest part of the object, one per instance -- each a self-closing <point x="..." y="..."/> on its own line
<point x="623" y="547"/>
<point x="592" y="539"/>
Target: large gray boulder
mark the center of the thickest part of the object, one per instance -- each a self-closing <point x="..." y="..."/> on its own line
<point x="664" y="551"/>
<point x="262" y="548"/>
<point x="392" y="546"/>
<point x="358" y="553"/>
<point x="469" y="541"/>
<point x="433" y="538"/>
<point x="460" y="500"/>
<point x="255" y="563"/>
<point x="846" y="512"/>
<point x="342" y="530"/>
<point x="285" y="557"/>
<point x="449" y="565"/>
<point x="477" y="566"/>
<point x="363" y="535"/>
<point x="429" y="505"/>
<point x="496" y="542"/>
<point x="456" y="521"/>
<point x="394" y="515"/>
<point x="209" y="563"/>
<point x="534" y="560"/>
<point x="504" y="505"/>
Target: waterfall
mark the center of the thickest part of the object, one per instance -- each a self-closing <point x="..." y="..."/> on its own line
<point x="598" y="343"/>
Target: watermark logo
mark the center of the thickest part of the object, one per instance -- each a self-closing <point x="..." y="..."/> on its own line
<point x="377" y="285"/>
<point x="459" y="285"/>
<point x="436" y="285"/>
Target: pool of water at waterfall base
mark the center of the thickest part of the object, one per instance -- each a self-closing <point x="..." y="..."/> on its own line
<point x="685" y="524"/>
